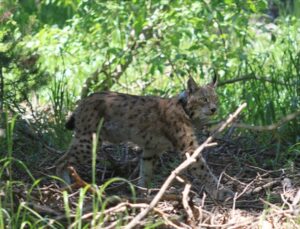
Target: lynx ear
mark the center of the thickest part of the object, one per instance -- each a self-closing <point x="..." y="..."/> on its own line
<point x="191" y="85"/>
<point x="214" y="82"/>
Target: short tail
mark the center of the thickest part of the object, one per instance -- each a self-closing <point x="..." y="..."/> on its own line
<point x="70" y="124"/>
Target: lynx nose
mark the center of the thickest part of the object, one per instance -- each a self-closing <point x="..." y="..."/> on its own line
<point x="213" y="109"/>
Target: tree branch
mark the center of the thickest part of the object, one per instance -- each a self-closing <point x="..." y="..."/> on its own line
<point x="251" y="77"/>
<point x="283" y="120"/>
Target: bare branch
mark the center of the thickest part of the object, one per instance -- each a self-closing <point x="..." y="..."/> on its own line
<point x="265" y="186"/>
<point x="251" y="77"/>
<point x="269" y="127"/>
<point x="185" y="203"/>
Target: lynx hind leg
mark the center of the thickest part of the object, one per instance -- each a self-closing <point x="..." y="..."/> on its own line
<point x="146" y="168"/>
<point x="203" y="175"/>
<point x="61" y="168"/>
<point x="78" y="154"/>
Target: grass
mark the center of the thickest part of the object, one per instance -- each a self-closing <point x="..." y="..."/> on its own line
<point x="16" y="212"/>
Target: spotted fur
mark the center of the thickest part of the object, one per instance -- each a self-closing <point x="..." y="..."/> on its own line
<point x="156" y="124"/>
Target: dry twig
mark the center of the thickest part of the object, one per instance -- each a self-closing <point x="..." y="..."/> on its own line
<point x="270" y="127"/>
<point x="265" y="186"/>
<point x="185" y="203"/>
<point x="121" y="207"/>
<point x="42" y="209"/>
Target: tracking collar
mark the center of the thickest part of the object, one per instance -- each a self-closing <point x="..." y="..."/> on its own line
<point x="182" y="98"/>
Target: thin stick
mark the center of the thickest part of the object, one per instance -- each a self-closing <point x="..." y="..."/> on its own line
<point x="265" y="186"/>
<point x="180" y="168"/>
<point x="185" y="203"/>
<point x="271" y="127"/>
<point x="250" y="77"/>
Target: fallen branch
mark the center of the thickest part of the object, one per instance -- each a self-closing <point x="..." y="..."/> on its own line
<point x="121" y="207"/>
<point x="42" y="209"/>
<point x="180" y="168"/>
<point x="265" y="186"/>
<point x="185" y="203"/>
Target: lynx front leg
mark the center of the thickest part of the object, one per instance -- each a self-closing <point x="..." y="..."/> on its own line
<point x="202" y="175"/>
<point x="146" y="168"/>
<point x="199" y="172"/>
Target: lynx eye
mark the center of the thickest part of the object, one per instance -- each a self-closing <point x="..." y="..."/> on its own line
<point x="205" y="100"/>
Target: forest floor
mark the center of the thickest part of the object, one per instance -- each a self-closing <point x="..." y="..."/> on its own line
<point x="265" y="198"/>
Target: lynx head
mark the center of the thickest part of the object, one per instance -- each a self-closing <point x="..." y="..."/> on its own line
<point x="199" y="102"/>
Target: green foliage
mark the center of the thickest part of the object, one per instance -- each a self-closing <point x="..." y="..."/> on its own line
<point x="54" y="48"/>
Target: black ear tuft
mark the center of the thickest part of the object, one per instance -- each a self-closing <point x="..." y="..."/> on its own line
<point x="191" y="85"/>
<point x="214" y="82"/>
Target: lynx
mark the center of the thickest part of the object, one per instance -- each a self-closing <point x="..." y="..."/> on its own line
<point x="156" y="124"/>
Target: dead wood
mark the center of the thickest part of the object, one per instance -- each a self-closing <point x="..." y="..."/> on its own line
<point x="185" y="203"/>
<point x="265" y="186"/>
<point x="43" y="210"/>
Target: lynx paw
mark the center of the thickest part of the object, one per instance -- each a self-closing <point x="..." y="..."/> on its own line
<point x="222" y="194"/>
